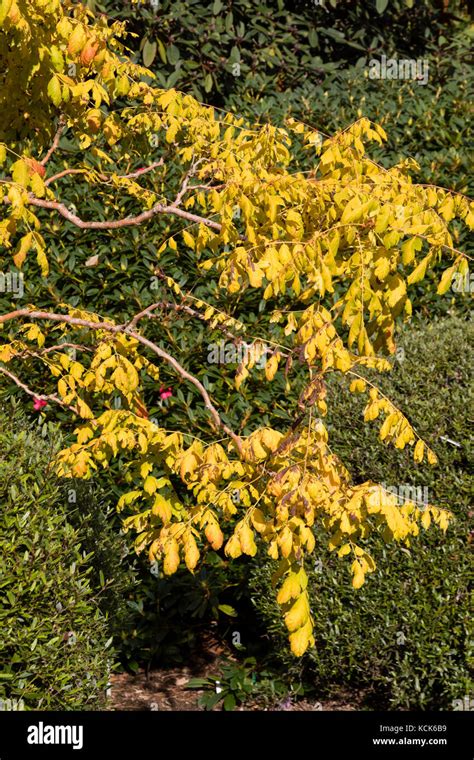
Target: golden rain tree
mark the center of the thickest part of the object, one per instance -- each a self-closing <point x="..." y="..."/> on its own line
<point x="333" y="250"/>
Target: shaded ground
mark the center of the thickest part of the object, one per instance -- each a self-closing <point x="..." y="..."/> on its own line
<point x="165" y="688"/>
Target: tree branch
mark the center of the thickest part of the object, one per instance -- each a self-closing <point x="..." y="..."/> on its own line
<point x="130" y="221"/>
<point x="177" y="307"/>
<point x="50" y="349"/>
<point x="184" y="185"/>
<point x="55" y="143"/>
<point x="105" y="177"/>
<point x="139" y="172"/>
<point x="41" y="396"/>
<point x="64" y="173"/>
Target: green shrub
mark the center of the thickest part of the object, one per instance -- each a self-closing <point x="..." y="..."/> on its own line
<point x="153" y="619"/>
<point x="428" y="122"/>
<point x="406" y="636"/>
<point x="167" y="616"/>
<point x="54" y="645"/>
<point x="113" y="567"/>
<point x="216" y="49"/>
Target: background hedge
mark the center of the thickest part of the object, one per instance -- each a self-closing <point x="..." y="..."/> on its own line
<point x="54" y="644"/>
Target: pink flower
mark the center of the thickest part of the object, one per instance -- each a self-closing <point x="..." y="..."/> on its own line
<point x="164" y="394"/>
<point x="38" y="404"/>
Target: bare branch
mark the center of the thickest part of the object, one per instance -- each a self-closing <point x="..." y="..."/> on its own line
<point x="145" y="313"/>
<point x="58" y="346"/>
<point x="55" y="143"/>
<point x="198" y="315"/>
<point x="105" y="177"/>
<point x="130" y="221"/>
<point x="64" y="173"/>
<point x="144" y="170"/>
<point x="210" y="186"/>
<point x="50" y="349"/>
<point x="185" y="183"/>
<point x="177" y="307"/>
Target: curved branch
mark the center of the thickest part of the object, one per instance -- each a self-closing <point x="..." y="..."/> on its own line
<point x="64" y="173"/>
<point x="129" y="221"/>
<point x="55" y="143"/>
<point x="177" y="308"/>
<point x="105" y="177"/>
<point x="40" y="396"/>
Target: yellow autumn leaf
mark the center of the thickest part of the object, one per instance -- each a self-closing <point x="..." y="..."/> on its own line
<point x="298" y="615"/>
<point x="302" y="639"/>
<point x="150" y="484"/>
<point x="20" y="172"/>
<point x="419" y="451"/>
<point x="76" y="369"/>
<point x="419" y="271"/>
<point x="345" y="549"/>
<point x="37" y="186"/>
<point x="191" y="553"/>
<point x="162" y="508"/>
<point x="188" y="239"/>
<point x="358" y="576"/>
<point x="426" y="519"/>
<point x="409" y="249"/>
<point x="26" y="243"/>
<point x="445" y="280"/>
<point x="357" y="386"/>
<point x="289" y="590"/>
<point x="84" y="410"/>
<point x="388" y="426"/>
<point x="214" y="535"/>
<point x="188" y="465"/>
<point x="171" y="560"/>
<point x="246" y="539"/>
<point x="285" y="541"/>
<point x="271" y="366"/>
<point x="258" y="520"/>
<point x="233" y="548"/>
<point x="54" y="90"/>
<point x="63" y="390"/>
<point x="77" y="40"/>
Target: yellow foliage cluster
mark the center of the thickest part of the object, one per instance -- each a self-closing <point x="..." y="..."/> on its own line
<point x="284" y="485"/>
<point x="348" y="227"/>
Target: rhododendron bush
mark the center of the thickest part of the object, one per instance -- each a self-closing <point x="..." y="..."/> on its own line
<point x="332" y="249"/>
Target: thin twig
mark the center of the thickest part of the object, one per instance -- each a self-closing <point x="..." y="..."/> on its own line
<point x="55" y="143"/>
<point x="106" y="177"/>
<point x="184" y="185"/>
<point x="40" y="396"/>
